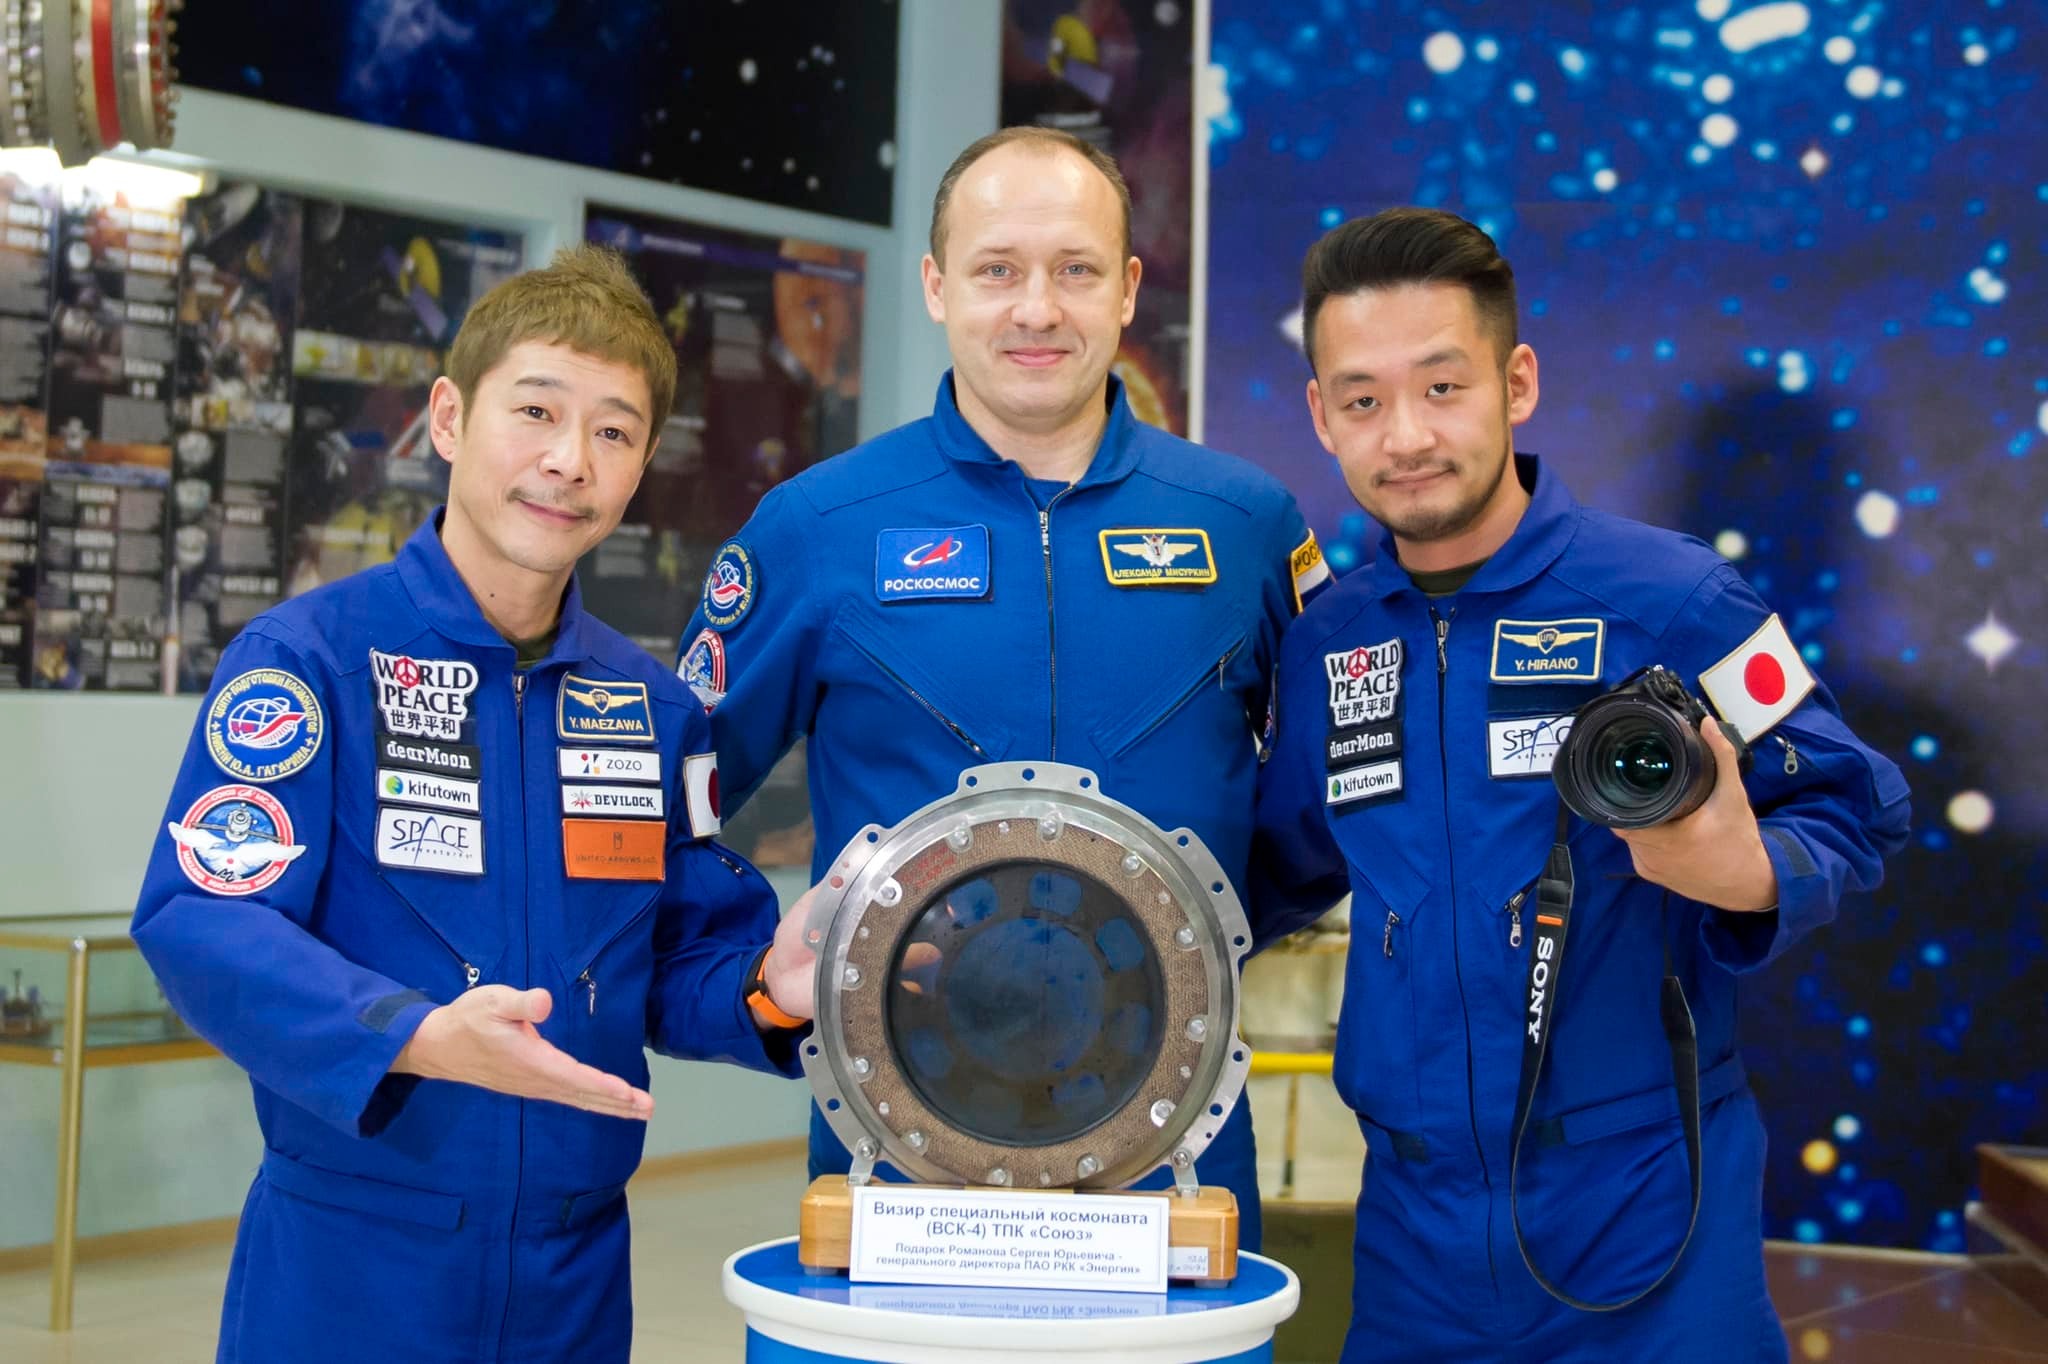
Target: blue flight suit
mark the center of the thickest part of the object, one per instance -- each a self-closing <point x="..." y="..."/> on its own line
<point x="917" y="606"/>
<point x="1440" y="818"/>
<point x="377" y="812"/>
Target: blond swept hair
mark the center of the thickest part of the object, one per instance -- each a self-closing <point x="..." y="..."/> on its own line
<point x="585" y="299"/>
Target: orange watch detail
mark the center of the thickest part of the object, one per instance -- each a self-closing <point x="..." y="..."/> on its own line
<point x="762" y="1005"/>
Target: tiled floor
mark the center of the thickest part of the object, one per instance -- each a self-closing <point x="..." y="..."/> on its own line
<point x="166" y="1310"/>
<point x="1848" y="1309"/>
<point x="1837" y="1308"/>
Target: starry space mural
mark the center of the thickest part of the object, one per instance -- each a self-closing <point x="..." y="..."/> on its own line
<point x="787" y="104"/>
<point x="1782" y="266"/>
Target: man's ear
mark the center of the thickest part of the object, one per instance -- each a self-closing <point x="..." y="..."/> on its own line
<point x="934" y="277"/>
<point x="444" y="417"/>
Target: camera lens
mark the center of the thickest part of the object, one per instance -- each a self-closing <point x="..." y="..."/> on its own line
<point x="1633" y="766"/>
<point x="1630" y="762"/>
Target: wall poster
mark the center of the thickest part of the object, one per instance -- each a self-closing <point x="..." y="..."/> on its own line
<point x="767" y="338"/>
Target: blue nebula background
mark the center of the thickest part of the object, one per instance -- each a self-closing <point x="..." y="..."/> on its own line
<point x="1782" y="266"/>
<point x="792" y="105"/>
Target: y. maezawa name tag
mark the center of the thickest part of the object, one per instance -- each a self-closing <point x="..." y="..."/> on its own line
<point x="1018" y="1240"/>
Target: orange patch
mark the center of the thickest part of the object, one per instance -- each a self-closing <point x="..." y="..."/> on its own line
<point x="614" y="849"/>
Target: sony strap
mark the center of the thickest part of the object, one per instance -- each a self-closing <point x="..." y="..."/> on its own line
<point x="1546" y="967"/>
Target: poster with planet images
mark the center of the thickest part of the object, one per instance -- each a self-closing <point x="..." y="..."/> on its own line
<point x="1118" y="74"/>
<point x="767" y="338"/>
<point x="233" y="417"/>
<point x="383" y="296"/>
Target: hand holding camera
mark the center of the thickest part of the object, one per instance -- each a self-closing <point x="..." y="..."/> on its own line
<point x="1648" y="761"/>
<point x="1714" y="855"/>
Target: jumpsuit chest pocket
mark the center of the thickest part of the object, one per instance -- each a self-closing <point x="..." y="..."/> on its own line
<point x="601" y="923"/>
<point x="436" y="937"/>
<point x="889" y="668"/>
<point x="1198" y="683"/>
<point x="1378" y="1061"/>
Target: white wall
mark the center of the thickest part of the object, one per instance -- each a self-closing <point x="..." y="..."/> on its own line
<point x="83" y="778"/>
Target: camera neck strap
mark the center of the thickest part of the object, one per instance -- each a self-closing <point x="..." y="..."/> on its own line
<point x="1546" y="970"/>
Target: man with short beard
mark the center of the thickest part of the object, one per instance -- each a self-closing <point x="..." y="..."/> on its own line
<point x="1514" y="1209"/>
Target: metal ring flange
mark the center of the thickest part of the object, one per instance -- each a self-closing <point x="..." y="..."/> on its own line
<point x="1186" y="911"/>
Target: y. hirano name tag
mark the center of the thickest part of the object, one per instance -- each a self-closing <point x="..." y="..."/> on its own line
<point x="1112" y="1244"/>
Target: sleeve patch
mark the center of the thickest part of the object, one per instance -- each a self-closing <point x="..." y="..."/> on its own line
<point x="700" y="786"/>
<point x="1311" y="571"/>
<point x="730" y="586"/>
<point x="1761" y="682"/>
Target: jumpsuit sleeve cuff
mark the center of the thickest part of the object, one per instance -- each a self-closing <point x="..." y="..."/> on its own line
<point x="720" y="1026"/>
<point x="1744" y="941"/>
<point x="383" y="1094"/>
<point x="756" y="1047"/>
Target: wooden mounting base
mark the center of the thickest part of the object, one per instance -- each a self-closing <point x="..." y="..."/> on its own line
<point x="1207" y="1221"/>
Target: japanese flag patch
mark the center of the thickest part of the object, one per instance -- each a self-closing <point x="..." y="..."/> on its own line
<point x="700" y="789"/>
<point x="1761" y="682"/>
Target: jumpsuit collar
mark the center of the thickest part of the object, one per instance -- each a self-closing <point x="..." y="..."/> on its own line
<point x="1116" y="455"/>
<point x="1546" y="527"/>
<point x="446" y="605"/>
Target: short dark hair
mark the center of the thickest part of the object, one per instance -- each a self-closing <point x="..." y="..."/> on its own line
<point x="1409" y="246"/>
<point x="1046" y="139"/>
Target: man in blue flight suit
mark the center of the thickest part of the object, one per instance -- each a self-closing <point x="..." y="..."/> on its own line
<point x="1420" y="703"/>
<point x="439" y="850"/>
<point x="1030" y="572"/>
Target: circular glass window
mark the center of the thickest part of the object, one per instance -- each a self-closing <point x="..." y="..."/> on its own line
<point x="1024" y="1004"/>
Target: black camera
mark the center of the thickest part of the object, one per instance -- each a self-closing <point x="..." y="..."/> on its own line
<point x="1634" y="757"/>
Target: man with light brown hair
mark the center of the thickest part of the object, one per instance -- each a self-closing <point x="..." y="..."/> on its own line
<point x="1030" y="574"/>
<point x="437" y="867"/>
